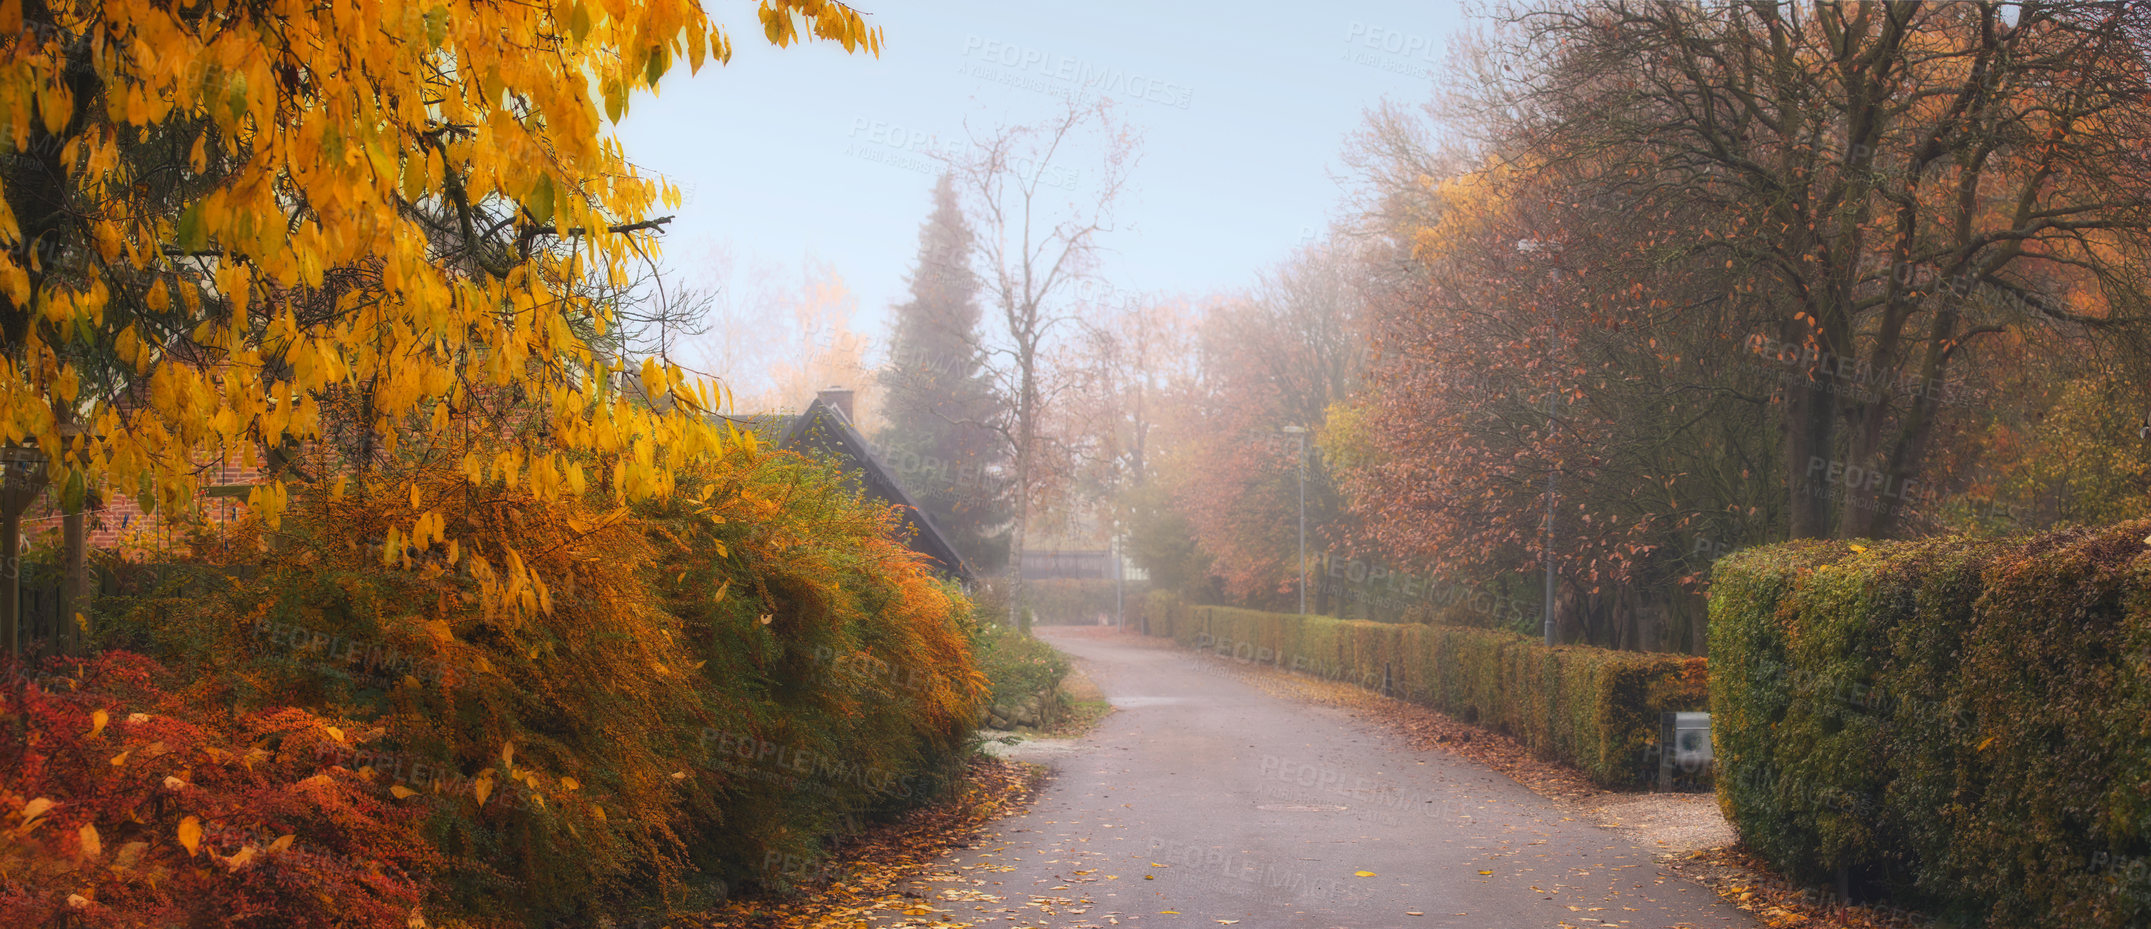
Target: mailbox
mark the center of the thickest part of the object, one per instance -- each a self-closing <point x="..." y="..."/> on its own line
<point x="1684" y="754"/>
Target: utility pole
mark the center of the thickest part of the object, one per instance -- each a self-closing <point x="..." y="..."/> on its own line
<point x="1300" y="433"/>
<point x="1553" y="425"/>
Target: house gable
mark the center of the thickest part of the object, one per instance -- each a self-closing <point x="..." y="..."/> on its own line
<point x="825" y="432"/>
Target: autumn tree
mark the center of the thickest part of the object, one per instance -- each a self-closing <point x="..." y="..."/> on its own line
<point x="1727" y="273"/>
<point x="938" y="397"/>
<point x="811" y="346"/>
<point x="225" y="224"/>
<point x="1035" y="246"/>
<point x="1281" y="355"/>
<point x="1512" y="375"/>
<point x="1890" y="186"/>
<point x="1132" y="363"/>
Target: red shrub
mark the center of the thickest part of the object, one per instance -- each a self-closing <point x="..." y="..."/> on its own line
<point x="120" y="806"/>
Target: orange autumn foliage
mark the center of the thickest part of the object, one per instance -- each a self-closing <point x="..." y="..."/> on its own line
<point x="587" y="701"/>
<point x="126" y="805"/>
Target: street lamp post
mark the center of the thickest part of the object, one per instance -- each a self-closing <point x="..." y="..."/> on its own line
<point x="1300" y="433"/>
<point x="1120" y="595"/>
<point x="1553" y="424"/>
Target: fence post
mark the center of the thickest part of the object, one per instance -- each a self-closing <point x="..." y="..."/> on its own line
<point x="22" y="478"/>
<point x="11" y="589"/>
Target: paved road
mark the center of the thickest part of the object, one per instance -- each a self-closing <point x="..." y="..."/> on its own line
<point x="1203" y="801"/>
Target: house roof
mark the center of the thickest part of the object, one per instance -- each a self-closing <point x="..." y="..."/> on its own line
<point x="823" y="431"/>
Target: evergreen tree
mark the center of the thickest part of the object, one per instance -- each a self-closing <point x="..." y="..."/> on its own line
<point x="940" y="407"/>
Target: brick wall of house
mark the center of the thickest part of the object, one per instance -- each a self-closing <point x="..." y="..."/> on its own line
<point x="119" y="519"/>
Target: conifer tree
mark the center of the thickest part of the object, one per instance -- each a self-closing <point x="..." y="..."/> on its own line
<point x="938" y="436"/>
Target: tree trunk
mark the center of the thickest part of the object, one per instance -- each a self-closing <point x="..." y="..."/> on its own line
<point x="1026" y="439"/>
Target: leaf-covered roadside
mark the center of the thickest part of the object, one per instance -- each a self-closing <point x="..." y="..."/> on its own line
<point x="1747" y="882"/>
<point x="860" y="880"/>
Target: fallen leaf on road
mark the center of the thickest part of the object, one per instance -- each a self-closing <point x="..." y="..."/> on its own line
<point x="1363" y="874"/>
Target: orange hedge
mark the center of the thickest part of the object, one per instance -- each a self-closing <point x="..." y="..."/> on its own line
<point x="593" y="709"/>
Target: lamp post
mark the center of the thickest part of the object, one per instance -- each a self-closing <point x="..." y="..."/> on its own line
<point x="1547" y="620"/>
<point x="1300" y="433"/>
<point x="1553" y="423"/>
<point x="1120" y="596"/>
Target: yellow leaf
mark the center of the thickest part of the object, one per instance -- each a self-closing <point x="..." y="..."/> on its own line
<point x="190" y="835"/>
<point x="1362" y="874"/>
<point x="240" y="859"/>
<point x="401" y="792"/>
<point x="483" y="787"/>
<point x="91" y="844"/>
<point x="282" y="842"/>
<point x="35" y="809"/>
<point x="98" y="719"/>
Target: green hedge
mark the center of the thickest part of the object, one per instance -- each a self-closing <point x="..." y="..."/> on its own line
<point x="1957" y="723"/>
<point x="1595" y="709"/>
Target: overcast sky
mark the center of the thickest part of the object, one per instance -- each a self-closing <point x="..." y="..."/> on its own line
<point x="806" y="153"/>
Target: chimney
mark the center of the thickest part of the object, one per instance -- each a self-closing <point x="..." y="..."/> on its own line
<point x="838" y="398"/>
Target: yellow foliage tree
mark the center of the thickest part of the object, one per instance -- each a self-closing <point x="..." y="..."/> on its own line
<point x="224" y="221"/>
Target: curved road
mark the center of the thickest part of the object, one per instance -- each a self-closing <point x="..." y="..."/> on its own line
<point x="1203" y="801"/>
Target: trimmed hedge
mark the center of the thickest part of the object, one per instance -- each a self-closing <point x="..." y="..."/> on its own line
<point x="1957" y="723"/>
<point x="1593" y="708"/>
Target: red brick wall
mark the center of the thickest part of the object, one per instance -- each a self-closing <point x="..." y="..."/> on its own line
<point x="121" y="519"/>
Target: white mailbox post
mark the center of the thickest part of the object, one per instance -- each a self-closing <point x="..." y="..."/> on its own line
<point x="1683" y="747"/>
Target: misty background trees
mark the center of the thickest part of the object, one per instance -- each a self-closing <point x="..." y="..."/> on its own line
<point x="1645" y="283"/>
